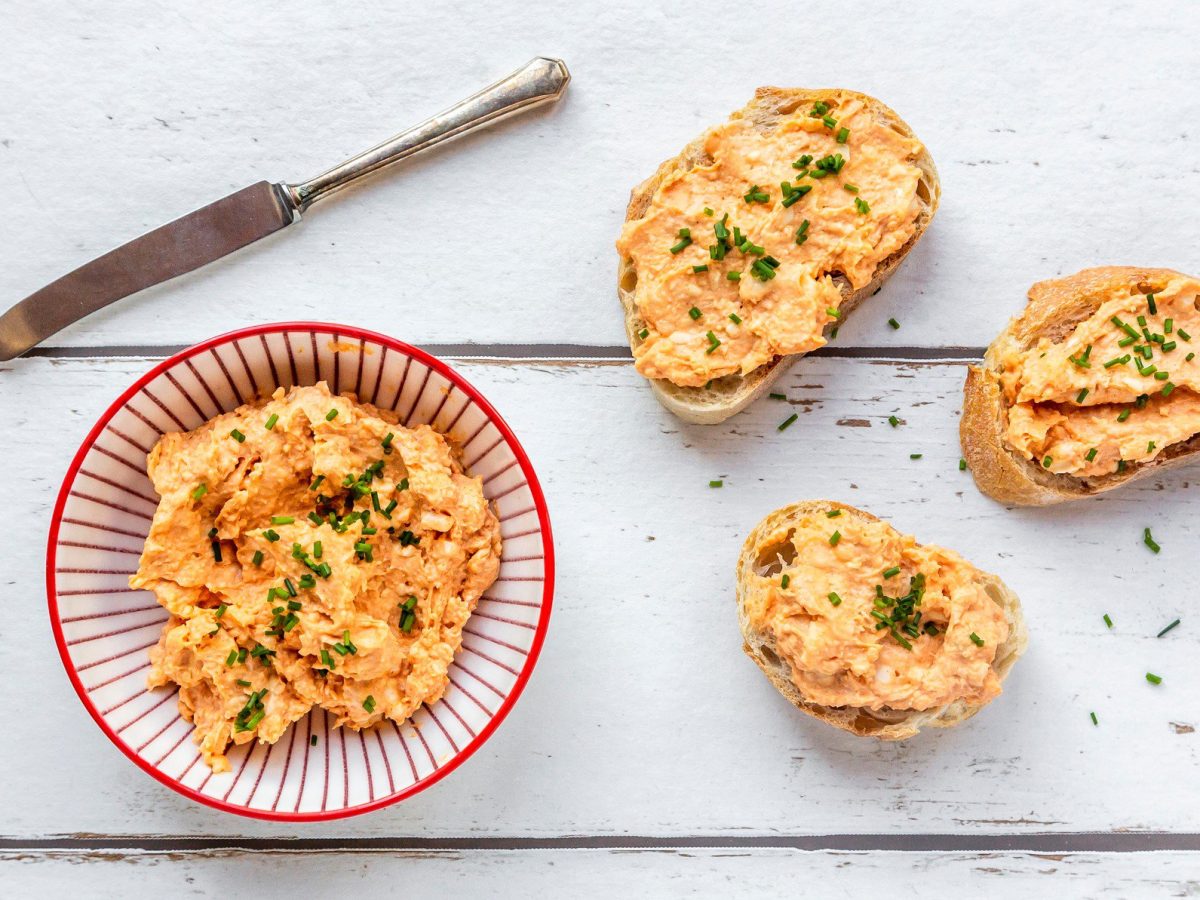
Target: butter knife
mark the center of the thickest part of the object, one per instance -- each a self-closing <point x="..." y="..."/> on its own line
<point x="254" y="212"/>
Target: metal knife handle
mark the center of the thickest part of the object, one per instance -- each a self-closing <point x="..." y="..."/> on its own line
<point x="539" y="82"/>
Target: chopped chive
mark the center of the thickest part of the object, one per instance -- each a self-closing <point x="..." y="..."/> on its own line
<point x="369" y="704"/>
<point x="735" y="318"/>
<point x="271" y="535"/>
<point x="1168" y="325"/>
<point x="316" y="483"/>
<point x="829" y="310"/>
<point x="644" y="333"/>
<point x="231" y="658"/>
<point x="962" y="465"/>
<point x="331" y="415"/>
<point x="1150" y="445"/>
<point x="699" y="269"/>
<point x="1167" y="388"/>
<point x="862" y="206"/>
<point x="893" y="421"/>
<point x="708" y="211"/>
<point x="1153" y="307"/>
<point x="786" y="422"/>
<point x="1183" y="334"/>
<point x="833" y="513"/>
<point x="976" y="639"/>
<point x="716" y="484"/>
<point x="785" y="580"/>
<point x="734" y="276"/>
<point x="892" y="572"/>
<point x="282" y="520"/>
<point x="713" y="343"/>
<point x="216" y="550"/>
<point x="685" y="240"/>
<point x="1161" y="376"/>
<point x="1095" y="721"/>
<point x="695" y="313"/>
<point x="200" y="491"/>
<point x="842" y="134"/>
<point x="1169" y="346"/>
<point x="1168" y="628"/>
<point x="271" y="421"/>
<point x="834" y="599"/>
<point x="1149" y="541"/>
<point x="313" y="740"/>
<point x="1108" y="620"/>
<point x="834" y="538"/>
<point x="1079" y="398"/>
<point x="1117" y="361"/>
<point x="1189" y="357"/>
<point x="1091" y="455"/>
<point x="802" y="162"/>
<point x="1124" y="414"/>
<point x="1153" y="679"/>
<point x="1046" y="460"/>
<point x="893" y="323"/>
<point x="851" y="188"/>
<point x="238" y="436"/>
<point x="915" y="455"/>
<point x="775" y="396"/>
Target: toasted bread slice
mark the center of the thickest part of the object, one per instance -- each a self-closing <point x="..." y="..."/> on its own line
<point x="1054" y="310"/>
<point x="725" y="396"/>
<point x="888" y="725"/>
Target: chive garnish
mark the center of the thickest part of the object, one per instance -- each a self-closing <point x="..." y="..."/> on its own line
<point x="893" y="421"/>
<point x="200" y="491"/>
<point x="695" y="313"/>
<point x="1095" y="721"/>
<point x="754" y="195"/>
<point x="802" y="162"/>
<point x="1153" y="679"/>
<point x="699" y="269"/>
<point x="842" y="134"/>
<point x="221" y="610"/>
<point x="915" y="455"/>
<point x="893" y="323"/>
<point x="231" y="658"/>
<point x="316" y="483"/>
<point x="685" y="240"/>
<point x="238" y="436"/>
<point x="785" y="580"/>
<point x="1046" y="461"/>
<point x="1091" y="455"/>
<point x="713" y="343"/>
<point x="369" y="704"/>
<point x="734" y="276"/>
<point x="834" y="599"/>
<point x="786" y="422"/>
<point x="271" y="535"/>
<point x="1124" y="414"/>
<point x="802" y="232"/>
<point x="644" y="333"/>
<point x="962" y="465"/>
<point x="892" y="572"/>
<point x="862" y="206"/>
<point x="735" y="318"/>
<point x="331" y="415"/>
<point x="1079" y="398"/>
<point x="834" y="538"/>
<point x="271" y="421"/>
<point x="708" y="211"/>
<point x="976" y="639"/>
<point x="716" y="483"/>
<point x="850" y="188"/>
<point x="1151" y="305"/>
<point x="1183" y="334"/>
<point x="282" y="520"/>
<point x="1149" y="541"/>
<point x="1108" y="620"/>
<point x="1168" y="628"/>
<point x="1167" y="388"/>
<point x="777" y="396"/>
<point x="833" y="513"/>
<point x="829" y="310"/>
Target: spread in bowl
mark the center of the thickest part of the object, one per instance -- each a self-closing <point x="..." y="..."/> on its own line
<point x="311" y="552"/>
<point x="1119" y="388"/>
<point x="863" y="616"/>
<point x="736" y="258"/>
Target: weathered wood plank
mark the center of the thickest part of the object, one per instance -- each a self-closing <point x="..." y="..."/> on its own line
<point x="644" y="717"/>
<point x="604" y="873"/>
<point x="113" y="124"/>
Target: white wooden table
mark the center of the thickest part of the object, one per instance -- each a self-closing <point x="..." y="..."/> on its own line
<point x="1064" y="137"/>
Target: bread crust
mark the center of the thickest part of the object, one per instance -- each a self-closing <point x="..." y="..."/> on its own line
<point x="733" y="393"/>
<point x="892" y="725"/>
<point x="1055" y="308"/>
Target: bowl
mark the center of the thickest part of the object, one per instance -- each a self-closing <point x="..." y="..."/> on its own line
<point x="104" y="628"/>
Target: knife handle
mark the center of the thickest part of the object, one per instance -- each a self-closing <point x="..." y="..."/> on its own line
<point x="539" y="82"/>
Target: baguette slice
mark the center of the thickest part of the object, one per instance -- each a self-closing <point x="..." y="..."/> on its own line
<point x="888" y="725"/>
<point x="732" y="393"/>
<point x="1055" y="308"/>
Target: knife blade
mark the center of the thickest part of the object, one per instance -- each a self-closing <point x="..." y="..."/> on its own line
<point x="245" y="216"/>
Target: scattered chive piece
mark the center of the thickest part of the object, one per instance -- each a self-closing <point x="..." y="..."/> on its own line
<point x="1046" y="460"/>
<point x="369" y="704"/>
<point x="1079" y="398"/>
<point x="695" y="313"/>
<point x="699" y="269"/>
<point x="892" y="572"/>
<point x="231" y="658"/>
<point x="1167" y="388"/>
<point x="734" y="276"/>
<point x="834" y="599"/>
<point x="1183" y="334"/>
<point x="802" y="162"/>
<point x="1091" y="455"/>
<point x="893" y="421"/>
<point x="1153" y="679"/>
<point x="708" y="211"/>
<point x="316" y="482"/>
<point x="833" y="312"/>
<point x="786" y="422"/>
<point x="331" y="415"/>
<point x="1168" y="628"/>
<point x="200" y="491"/>
<point x="713" y="343"/>
<point x="962" y="465"/>
<point x="314" y="740"/>
<point x="1124" y="414"/>
<point x="777" y="396"/>
<point x="893" y="323"/>
<point x="862" y="206"/>
<point x="1169" y="346"/>
<point x="735" y="318"/>
<point x="1189" y="357"/>
<point x="1107" y="620"/>
<point x="237" y="436"/>
<point x="258" y="557"/>
<point x="644" y="333"/>
<point x="716" y="484"/>
<point x="1153" y="307"/>
<point x="1148" y="540"/>
<point x="1168" y="325"/>
<point x="976" y="639"/>
<point x="785" y="580"/>
<point x="915" y="455"/>
<point x="833" y="513"/>
<point x="271" y="536"/>
<point x="802" y="232"/>
<point x="851" y="188"/>
<point x="834" y="538"/>
<point x="685" y="240"/>
<point x="271" y="421"/>
<point x="1095" y="721"/>
<point x="216" y="550"/>
<point x="282" y="520"/>
<point x="842" y="134"/>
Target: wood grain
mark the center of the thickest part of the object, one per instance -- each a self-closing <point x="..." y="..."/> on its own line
<point x="1061" y="145"/>
<point x="643" y="713"/>
<point x="607" y="873"/>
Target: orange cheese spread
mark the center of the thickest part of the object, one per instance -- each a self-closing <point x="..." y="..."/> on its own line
<point x="864" y="616"/>
<point x="311" y="552"/>
<point x="782" y="212"/>
<point x="1121" y="388"/>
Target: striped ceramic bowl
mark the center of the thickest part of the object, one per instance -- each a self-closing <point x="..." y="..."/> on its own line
<point x="104" y="629"/>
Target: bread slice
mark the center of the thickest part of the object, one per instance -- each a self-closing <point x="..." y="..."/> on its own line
<point x="1055" y="308"/>
<point x="888" y="725"/>
<point x="725" y="396"/>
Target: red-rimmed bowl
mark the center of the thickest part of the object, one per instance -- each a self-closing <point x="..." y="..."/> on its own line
<point x="104" y="628"/>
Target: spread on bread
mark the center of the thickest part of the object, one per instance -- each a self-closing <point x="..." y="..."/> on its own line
<point x="1120" y="388"/>
<point x="736" y="259"/>
<point x="311" y="551"/>
<point x="864" y="616"/>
